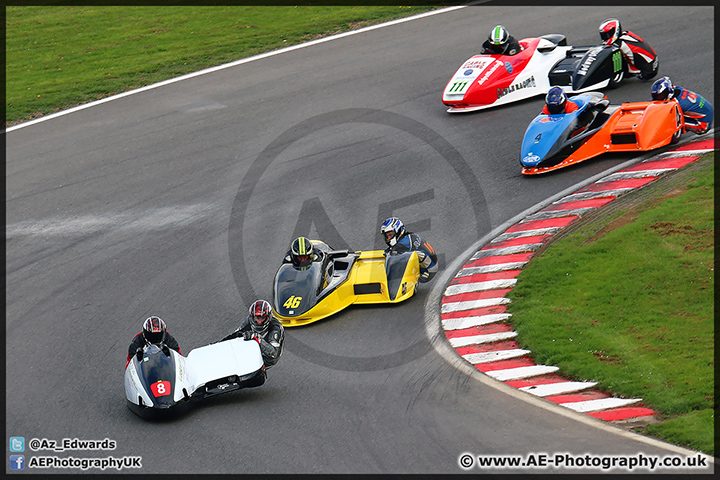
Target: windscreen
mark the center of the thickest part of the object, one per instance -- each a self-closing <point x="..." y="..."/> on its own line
<point x="296" y="290"/>
<point x="157" y="375"/>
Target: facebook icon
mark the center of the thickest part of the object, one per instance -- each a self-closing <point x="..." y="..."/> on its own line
<point x="17" y="462"/>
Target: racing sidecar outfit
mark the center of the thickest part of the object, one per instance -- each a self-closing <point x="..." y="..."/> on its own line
<point x="271" y="342"/>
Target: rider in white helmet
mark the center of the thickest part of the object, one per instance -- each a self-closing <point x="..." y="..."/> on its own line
<point x="500" y="42"/>
<point x="400" y="240"/>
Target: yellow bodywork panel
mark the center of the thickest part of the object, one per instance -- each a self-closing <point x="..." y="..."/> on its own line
<point x="366" y="283"/>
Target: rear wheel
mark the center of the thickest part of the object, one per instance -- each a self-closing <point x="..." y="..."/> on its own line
<point x="616" y="79"/>
<point x="676" y="136"/>
<point x="679" y="125"/>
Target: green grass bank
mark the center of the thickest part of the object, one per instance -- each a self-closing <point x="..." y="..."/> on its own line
<point x="626" y="299"/>
<point x="61" y="56"/>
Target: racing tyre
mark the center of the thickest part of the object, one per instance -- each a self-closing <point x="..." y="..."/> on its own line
<point x="676" y="137"/>
<point x="616" y="79"/>
<point x="678" y="122"/>
<point x="647" y="76"/>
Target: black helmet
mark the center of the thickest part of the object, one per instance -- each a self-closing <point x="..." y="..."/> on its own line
<point x="301" y="252"/>
<point x="260" y="313"/>
<point x="154" y="330"/>
<point x="556" y="100"/>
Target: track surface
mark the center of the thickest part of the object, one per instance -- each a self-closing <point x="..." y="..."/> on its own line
<point x="181" y="201"/>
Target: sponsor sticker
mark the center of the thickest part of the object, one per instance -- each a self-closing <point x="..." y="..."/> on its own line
<point x="479" y="63"/>
<point x="528" y="82"/>
<point x="589" y="60"/>
<point x="550" y="119"/>
<point x="488" y="73"/>
<point x="531" y="159"/>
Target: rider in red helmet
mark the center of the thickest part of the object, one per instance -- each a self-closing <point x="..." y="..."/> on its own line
<point x="260" y="325"/>
<point x="640" y="57"/>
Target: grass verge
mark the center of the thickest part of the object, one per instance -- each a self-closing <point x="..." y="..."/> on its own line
<point x="61" y="56"/>
<point x="627" y="300"/>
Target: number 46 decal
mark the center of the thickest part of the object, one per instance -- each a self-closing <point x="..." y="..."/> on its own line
<point x="292" y="302"/>
<point x="160" y="388"/>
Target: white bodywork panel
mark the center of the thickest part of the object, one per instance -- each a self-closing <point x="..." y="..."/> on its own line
<point x="222" y="359"/>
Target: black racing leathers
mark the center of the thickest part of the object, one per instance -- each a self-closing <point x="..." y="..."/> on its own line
<point x="271" y="342"/>
<point x="139" y="342"/>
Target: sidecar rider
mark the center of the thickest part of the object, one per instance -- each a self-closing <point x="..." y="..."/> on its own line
<point x="303" y="253"/>
<point x="260" y="325"/>
<point x="500" y="42"/>
<point x="400" y="240"/>
<point x="641" y="59"/>
<point x="698" y="112"/>
<point x="154" y="331"/>
<point x="556" y="101"/>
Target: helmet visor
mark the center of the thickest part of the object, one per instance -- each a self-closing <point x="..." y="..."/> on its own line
<point x="303" y="260"/>
<point x="153" y="337"/>
<point x="497" y="48"/>
<point x="607" y="34"/>
<point x="260" y="319"/>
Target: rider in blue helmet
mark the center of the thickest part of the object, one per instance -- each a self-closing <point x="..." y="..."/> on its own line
<point x="400" y="240"/>
<point x="697" y="111"/>
<point x="556" y="102"/>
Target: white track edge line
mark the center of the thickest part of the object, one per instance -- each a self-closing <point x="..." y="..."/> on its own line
<point x="229" y="65"/>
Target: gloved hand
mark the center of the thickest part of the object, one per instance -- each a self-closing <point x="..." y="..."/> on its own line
<point x="424" y="277"/>
<point x="249" y="335"/>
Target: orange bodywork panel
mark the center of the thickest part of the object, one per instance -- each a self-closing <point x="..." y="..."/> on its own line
<point x="633" y="127"/>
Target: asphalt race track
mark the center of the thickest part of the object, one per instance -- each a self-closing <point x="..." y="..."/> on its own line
<point x="180" y="201"/>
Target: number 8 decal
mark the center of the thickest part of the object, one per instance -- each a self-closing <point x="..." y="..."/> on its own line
<point x="161" y="388"/>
